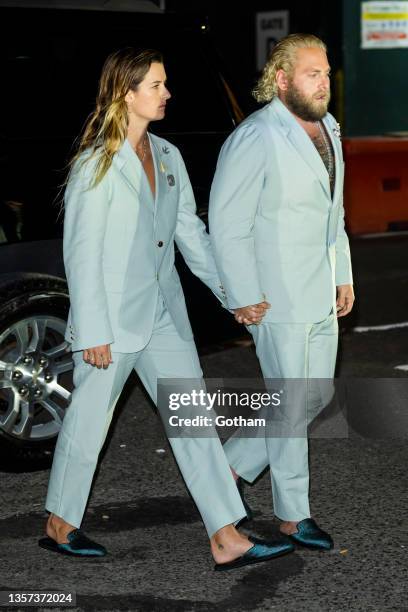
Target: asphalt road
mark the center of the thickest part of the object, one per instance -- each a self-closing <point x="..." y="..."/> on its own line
<point x="159" y="557"/>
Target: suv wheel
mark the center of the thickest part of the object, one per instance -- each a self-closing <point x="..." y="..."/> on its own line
<point x="35" y="369"/>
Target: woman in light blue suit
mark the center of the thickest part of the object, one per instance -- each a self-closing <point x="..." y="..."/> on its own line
<point x="127" y="200"/>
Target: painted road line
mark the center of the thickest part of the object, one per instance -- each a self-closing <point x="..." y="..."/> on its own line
<point x="381" y="235"/>
<point x="360" y="330"/>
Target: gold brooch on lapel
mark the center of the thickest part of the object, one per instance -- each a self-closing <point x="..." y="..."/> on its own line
<point x="336" y="130"/>
<point x="170" y="179"/>
<point x="162" y="167"/>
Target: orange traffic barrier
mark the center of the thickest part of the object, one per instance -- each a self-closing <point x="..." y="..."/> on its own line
<point x="376" y="183"/>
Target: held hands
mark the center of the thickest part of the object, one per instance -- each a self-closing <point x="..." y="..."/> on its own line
<point x="249" y="315"/>
<point x="345" y="299"/>
<point x="99" y="356"/>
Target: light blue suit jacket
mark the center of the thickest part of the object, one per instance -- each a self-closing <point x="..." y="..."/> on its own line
<point x="118" y="250"/>
<point x="276" y="231"/>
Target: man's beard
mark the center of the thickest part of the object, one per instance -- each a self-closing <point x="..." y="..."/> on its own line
<point x="308" y="109"/>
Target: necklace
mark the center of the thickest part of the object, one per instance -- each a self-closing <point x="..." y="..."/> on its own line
<point x="142" y="155"/>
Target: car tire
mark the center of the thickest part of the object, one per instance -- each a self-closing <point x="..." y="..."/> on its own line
<point x="35" y="369"/>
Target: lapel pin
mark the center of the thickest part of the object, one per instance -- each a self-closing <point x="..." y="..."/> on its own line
<point x="162" y="167"/>
<point x="170" y="180"/>
<point x="166" y="150"/>
<point x="336" y="130"/>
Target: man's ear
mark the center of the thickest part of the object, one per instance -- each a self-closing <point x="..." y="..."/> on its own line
<point x="282" y="80"/>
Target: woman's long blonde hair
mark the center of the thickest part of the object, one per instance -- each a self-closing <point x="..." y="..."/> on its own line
<point x="283" y="57"/>
<point x="106" y="128"/>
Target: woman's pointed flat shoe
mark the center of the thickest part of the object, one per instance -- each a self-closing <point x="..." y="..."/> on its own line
<point x="310" y="535"/>
<point x="260" y="551"/>
<point x="78" y="545"/>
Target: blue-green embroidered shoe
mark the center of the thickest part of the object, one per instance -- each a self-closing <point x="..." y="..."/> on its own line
<point x="260" y="551"/>
<point x="78" y="545"/>
<point x="310" y="535"/>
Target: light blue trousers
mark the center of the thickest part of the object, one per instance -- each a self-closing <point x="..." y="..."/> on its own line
<point x="306" y="352"/>
<point x="201" y="460"/>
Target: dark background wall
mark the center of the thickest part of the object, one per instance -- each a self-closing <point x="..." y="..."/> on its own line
<point x="375" y="82"/>
<point x="233" y="29"/>
<point x="369" y="87"/>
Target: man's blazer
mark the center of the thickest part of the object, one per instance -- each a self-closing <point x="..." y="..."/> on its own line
<point x="276" y="231"/>
<point x="119" y="250"/>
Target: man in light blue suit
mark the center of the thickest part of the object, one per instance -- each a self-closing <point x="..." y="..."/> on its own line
<point x="277" y="228"/>
<point x="128" y="200"/>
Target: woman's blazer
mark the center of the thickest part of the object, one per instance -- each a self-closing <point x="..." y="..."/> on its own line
<point x="118" y="253"/>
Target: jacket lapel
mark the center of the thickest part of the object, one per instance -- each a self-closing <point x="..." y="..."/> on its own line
<point x="336" y="144"/>
<point x="302" y="144"/>
<point x="131" y="170"/>
<point x="126" y="161"/>
<point x="157" y="172"/>
<point x="162" y="172"/>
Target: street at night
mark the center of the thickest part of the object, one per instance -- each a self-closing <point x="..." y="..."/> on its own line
<point x="159" y="558"/>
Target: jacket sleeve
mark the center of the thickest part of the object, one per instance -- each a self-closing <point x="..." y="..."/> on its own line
<point x="86" y="212"/>
<point x="191" y="236"/>
<point x="234" y="199"/>
<point x="343" y="273"/>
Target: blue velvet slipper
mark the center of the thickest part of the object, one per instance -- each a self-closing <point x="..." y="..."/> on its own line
<point x="310" y="535"/>
<point x="260" y="551"/>
<point x="78" y="545"/>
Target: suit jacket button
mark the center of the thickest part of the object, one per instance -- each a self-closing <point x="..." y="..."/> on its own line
<point x="160" y="243"/>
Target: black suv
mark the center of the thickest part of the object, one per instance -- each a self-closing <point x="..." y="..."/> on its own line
<point x="50" y="63"/>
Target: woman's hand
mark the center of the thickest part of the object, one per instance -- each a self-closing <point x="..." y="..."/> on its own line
<point x="99" y="356"/>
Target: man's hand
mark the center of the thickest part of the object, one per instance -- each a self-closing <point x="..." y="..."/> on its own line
<point x="250" y="315"/>
<point x="99" y="356"/>
<point x="345" y="299"/>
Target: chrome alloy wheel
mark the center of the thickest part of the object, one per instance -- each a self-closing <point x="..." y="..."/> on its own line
<point x="35" y="378"/>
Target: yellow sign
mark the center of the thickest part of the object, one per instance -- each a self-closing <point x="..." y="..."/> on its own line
<point x="384" y="25"/>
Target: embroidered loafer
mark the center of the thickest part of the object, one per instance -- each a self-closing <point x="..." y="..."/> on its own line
<point x="78" y="545"/>
<point x="260" y="551"/>
<point x="310" y="535"/>
<point x="249" y="513"/>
